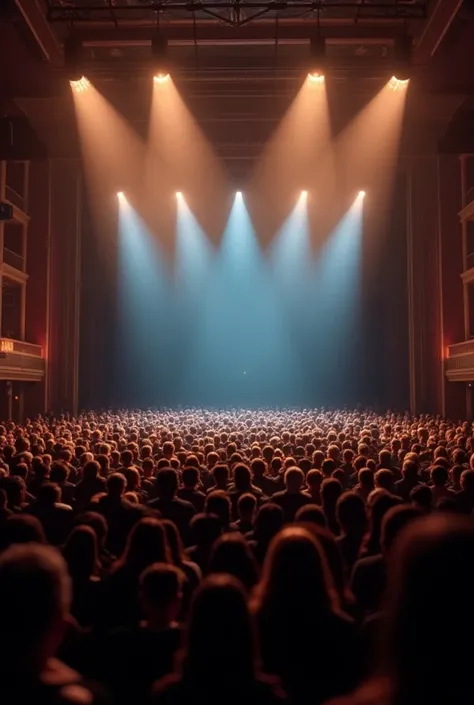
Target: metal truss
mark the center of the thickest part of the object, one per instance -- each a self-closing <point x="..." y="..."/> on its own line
<point x="231" y="12"/>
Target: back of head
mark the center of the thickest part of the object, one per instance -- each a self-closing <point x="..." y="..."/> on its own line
<point x="205" y="528"/>
<point x="80" y="553"/>
<point x="268" y="521"/>
<point x="350" y="513"/>
<point x="430" y="592"/>
<point x="166" y="482"/>
<point x="146" y="544"/>
<point x="116" y="484"/>
<point x="21" y="529"/>
<point x="49" y="493"/>
<point x="35" y="579"/>
<point x="439" y="475"/>
<point x="218" y="503"/>
<point x="174" y="541"/>
<point x="231" y="554"/>
<point x="310" y="513"/>
<point x="97" y="522"/>
<point x="242" y="477"/>
<point x="219" y="609"/>
<point x="91" y="470"/>
<point x="331" y="490"/>
<point x="422" y="497"/>
<point x="160" y="584"/>
<point x="365" y="477"/>
<point x="190" y="476"/>
<point x="295" y="573"/>
<point x="394" y="520"/>
<point x="294" y="479"/>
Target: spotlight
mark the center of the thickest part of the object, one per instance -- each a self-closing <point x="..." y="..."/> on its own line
<point x="120" y="195"/>
<point x="159" y="51"/>
<point x="361" y="195"/>
<point x="396" y="84"/>
<point x="304" y="194"/>
<point x="161" y="77"/>
<point x="316" y="78"/>
<point x="80" y="86"/>
<point x="317" y="46"/>
<point x="402" y="51"/>
<point x="73" y="59"/>
<point x="238" y="194"/>
<point x="179" y="194"/>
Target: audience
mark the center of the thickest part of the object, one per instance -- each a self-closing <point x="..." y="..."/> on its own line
<point x="335" y="546"/>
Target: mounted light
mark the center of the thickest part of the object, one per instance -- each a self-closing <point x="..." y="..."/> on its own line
<point x="159" y="52"/>
<point x="317" y="46"/>
<point x="73" y="59"/>
<point x="402" y="51"/>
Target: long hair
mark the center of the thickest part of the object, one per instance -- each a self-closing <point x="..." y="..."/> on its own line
<point x="426" y="656"/>
<point x="146" y="544"/>
<point x="175" y="542"/>
<point x="220" y="646"/>
<point x="295" y="574"/>
<point x="81" y="553"/>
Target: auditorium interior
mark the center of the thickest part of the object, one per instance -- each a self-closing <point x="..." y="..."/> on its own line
<point x="237" y="67"/>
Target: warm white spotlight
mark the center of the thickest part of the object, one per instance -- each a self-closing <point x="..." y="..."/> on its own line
<point x="179" y="194"/>
<point x="397" y="84"/>
<point x="361" y="194"/>
<point x="304" y="194"/>
<point x="81" y="85"/>
<point x="238" y="194"/>
<point x="161" y="78"/>
<point x="120" y="194"/>
<point x="314" y="77"/>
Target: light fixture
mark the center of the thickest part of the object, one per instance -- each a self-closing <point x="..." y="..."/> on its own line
<point x="304" y="194"/>
<point x="317" y="47"/>
<point x="179" y="194"/>
<point x="80" y="86"/>
<point x="73" y="59"/>
<point x="361" y="195"/>
<point x="402" y="51"/>
<point x="396" y="84"/>
<point x="161" y="77"/>
<point x="238" y="194"/>
<point x="159" y="52"/>
<point x="120" y="194"/>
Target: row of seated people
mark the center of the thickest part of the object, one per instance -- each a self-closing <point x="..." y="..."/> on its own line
<point x="203" y="581"/>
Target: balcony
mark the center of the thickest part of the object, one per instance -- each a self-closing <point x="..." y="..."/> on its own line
<point x="460" y="362"/>
<point x="20" y="361"/>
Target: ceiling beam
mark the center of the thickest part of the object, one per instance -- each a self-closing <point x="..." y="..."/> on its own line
<point x="434" y="29"/>
<point x="41" y="30"/>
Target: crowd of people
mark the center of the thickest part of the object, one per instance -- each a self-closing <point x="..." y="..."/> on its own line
<point x="201" y="557"/>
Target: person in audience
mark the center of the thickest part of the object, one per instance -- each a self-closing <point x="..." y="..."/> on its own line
<point x="291" y="498"/>
<point x="246" y="508"/>
<point x="119" y="513"/>
<point x="314" y="480"/>
<point x="369" y="575"/>
<point x="352" y="519"/>
<point x="301" y="624"/>
<point x="82" y="559"/>
<point x="146" y="544"/>
<point x="231" y="554"/>
<point x="36" y="578"/>
<point x="91" y="484"/>
<point x="331" y="490"/>
<point x="134" y="657"/>
<point x="55" y="517"/>
<point x="189" y="491"/>
<point x="205" y="529"/>
<point x="232" y="675"/>
<point x="169" y="505"/>
<point x="418" y="661"/>
<point x="268" y="522"/>
<point x="365" y="483"/>
<point x="191" y="571"/>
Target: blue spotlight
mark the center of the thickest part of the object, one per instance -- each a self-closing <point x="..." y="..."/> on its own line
<point x="143" y="306"/>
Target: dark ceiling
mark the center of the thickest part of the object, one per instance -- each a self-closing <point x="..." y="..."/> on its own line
<point x="238" y="63"/>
